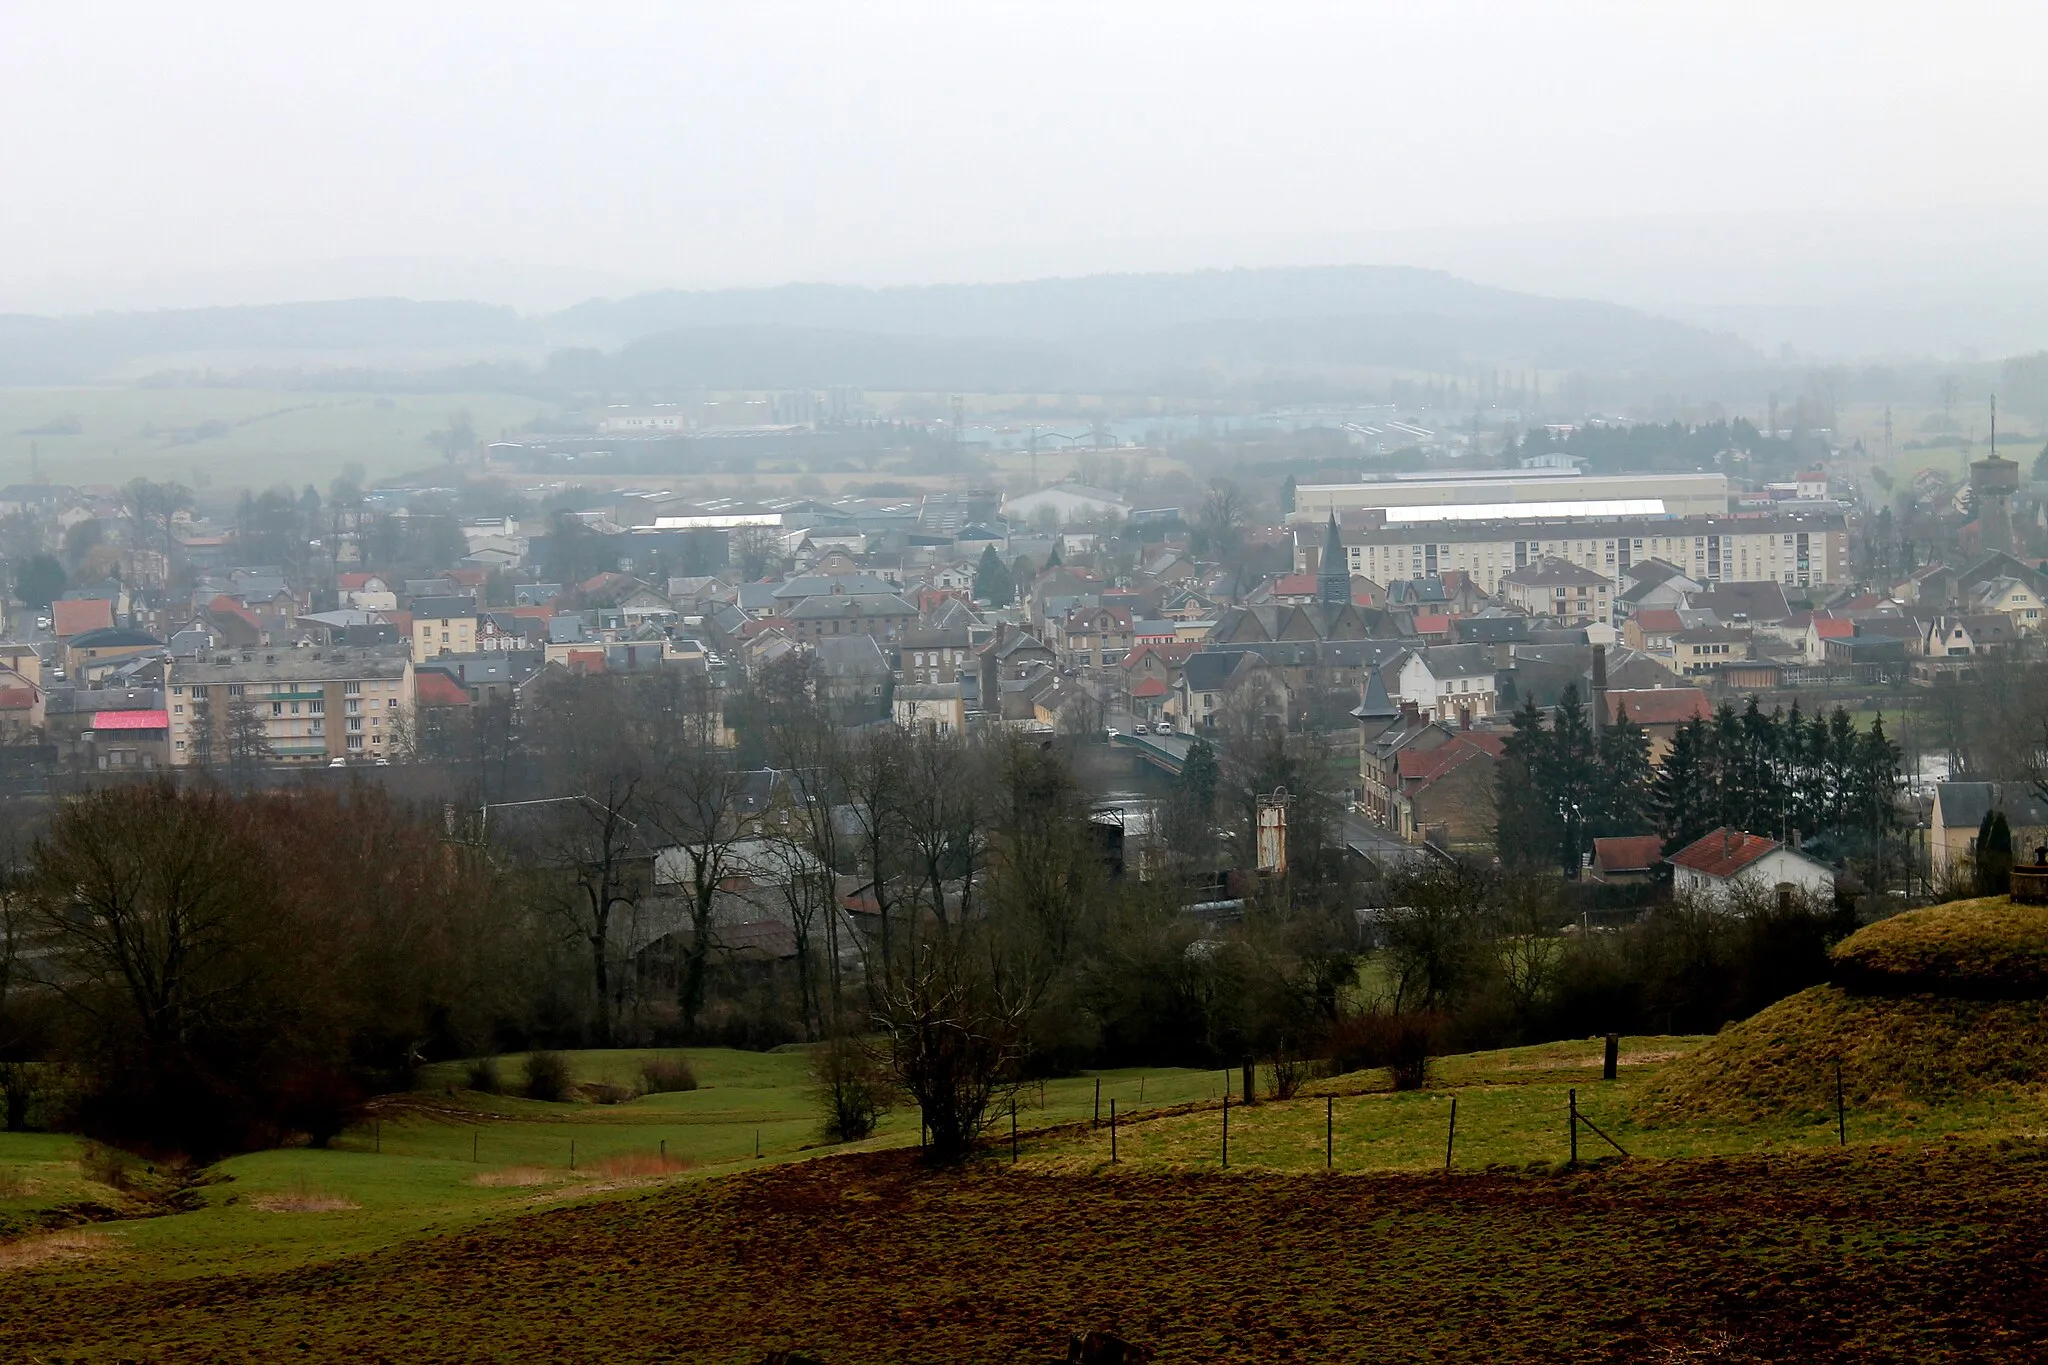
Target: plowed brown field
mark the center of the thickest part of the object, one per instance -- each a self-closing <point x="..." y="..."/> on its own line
<point x="1924" y="1254"/>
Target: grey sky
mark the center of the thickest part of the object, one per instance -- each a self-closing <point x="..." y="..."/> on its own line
<point x="219" y="152"/>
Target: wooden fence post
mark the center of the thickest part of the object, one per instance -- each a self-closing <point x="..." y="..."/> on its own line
<point x="1613" y="1059"/>
<point x="1112" y="1132"/>
<point x="1226" y="1128"/>
<point x="1329" y="1132"/>
<point x="1574" y="1104"/>
<point x="1096" y="1122"/>
<point x="1451" y="1138"/>
<point x="1250" y="1077"/>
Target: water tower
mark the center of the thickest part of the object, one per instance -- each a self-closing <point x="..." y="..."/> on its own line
<point x="1993" y="481"/>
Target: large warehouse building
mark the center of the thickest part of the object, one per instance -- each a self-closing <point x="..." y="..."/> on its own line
<point x="1495" y="491"/>
<point x="1793" y="548"/>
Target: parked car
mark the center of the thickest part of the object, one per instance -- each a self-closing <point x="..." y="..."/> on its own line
<point x="1141" y="728"/>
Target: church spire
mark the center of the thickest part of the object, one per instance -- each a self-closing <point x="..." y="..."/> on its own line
<point x="1333" y="575"/>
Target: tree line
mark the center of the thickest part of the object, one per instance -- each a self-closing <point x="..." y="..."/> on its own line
<point x="1779" y="773"/>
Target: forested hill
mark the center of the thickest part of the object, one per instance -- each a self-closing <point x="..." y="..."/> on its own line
<point x="1096" y="331"/>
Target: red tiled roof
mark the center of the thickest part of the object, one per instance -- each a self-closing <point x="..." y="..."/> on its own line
<point x="1433" y="624"/>
<point x="1295" y="585"/>
<point x="1628" y="853"/>
<point x="1660" y="705"/>
<point x="1426" y="766"/>
<point x="223" y="605"/>
<point x="434" y="688"/>
<point x="400" y="619"/>
<point x="1652" y="620"/>
<point x="1833" y="628"/>
<point x="17" y="698"/>
<point x="1150" y="687"/>
<point x="78" y="615"/>
<point x="1723" y="853"/>
<point x="356" y="582"/>
<point x="131" y="720"/>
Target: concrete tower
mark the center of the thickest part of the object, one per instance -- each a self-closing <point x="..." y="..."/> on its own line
<point x="1993" y="481"/>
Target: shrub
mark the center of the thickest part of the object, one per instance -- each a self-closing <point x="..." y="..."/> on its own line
<point x="1402" y="1043"/>
<point x="547" y="1076"/>
<point x="1291" y="1071"/>
<point x="666" y="1076"/>
<point x="483" y="1076"/>
<point x="852" y="1086"/>
<point x="104" y="1165"/>
<point x="604" y="1092"/>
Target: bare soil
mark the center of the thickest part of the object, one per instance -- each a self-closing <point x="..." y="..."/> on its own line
<point x="1936" y="1252"/>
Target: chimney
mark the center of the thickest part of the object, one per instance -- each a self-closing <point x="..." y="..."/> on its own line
<point x="1411" y="714"/>
<point x="1599" y="688"/>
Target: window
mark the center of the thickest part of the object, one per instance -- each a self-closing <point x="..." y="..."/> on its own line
<point x="277" y="708"/>
<point x="355" y="741"/>
<point x="234" y="689"/>
<point x="355" y="722"/>
<point x="352" y="689"/>
<point x="179" y="709"/>
<point x="317" y="708"/>
<point x="354" y="705"/>
<point x="181" y="746"/>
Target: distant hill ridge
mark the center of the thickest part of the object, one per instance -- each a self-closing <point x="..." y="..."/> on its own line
<point x="1113" y="330"/>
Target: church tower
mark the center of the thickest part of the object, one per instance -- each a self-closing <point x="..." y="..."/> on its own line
<point x="1333" y="572"/>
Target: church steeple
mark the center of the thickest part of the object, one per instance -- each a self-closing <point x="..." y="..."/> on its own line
<point x="1333" y="573"/>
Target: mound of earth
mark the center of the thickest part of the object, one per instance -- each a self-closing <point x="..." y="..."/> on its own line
<point x="1929" y="1006"/>
<point x="1780" y="1063"/>
<point x="1989" y="948"/>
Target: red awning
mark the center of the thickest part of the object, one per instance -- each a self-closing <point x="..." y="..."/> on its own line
<point x="131" y="720"/>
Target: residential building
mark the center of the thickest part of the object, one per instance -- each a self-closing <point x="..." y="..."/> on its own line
<point x="1728" y="866"/>
<point x="883" y="616"/>
<point x="366" y="592"/>
<point x="1949" y="637"/>
<point x="1705" y="648"/>
<point x="1661" y="712"/>
<point x="1959" y="811"/>
<point x="71" y="616"/>
<point x="313" y="704"/>
<point x="1457" y="684"/>
<point x="1559" y="589"/>
<point x="1094" y="637"/>
<point x="930" y="708"/>
<point x="1802" y="548"/>
<point x="443" y="625"/>
<point x="1626" y="859"/>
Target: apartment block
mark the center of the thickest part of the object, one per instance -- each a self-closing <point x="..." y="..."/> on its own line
<point x="314" y="704"/>
<point x="1794" y="549"/>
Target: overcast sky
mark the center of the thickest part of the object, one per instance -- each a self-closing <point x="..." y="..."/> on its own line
<point x="216" y="152"/>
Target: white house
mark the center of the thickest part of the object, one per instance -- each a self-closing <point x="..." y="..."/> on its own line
<point x="1729" y="865"/>
<point x="1451" y="683"/>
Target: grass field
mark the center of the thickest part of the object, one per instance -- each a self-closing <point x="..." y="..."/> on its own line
<point x="232" y="438"/>
<point x="1876" y="1254"/>
<point x="397" y="1236"/>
